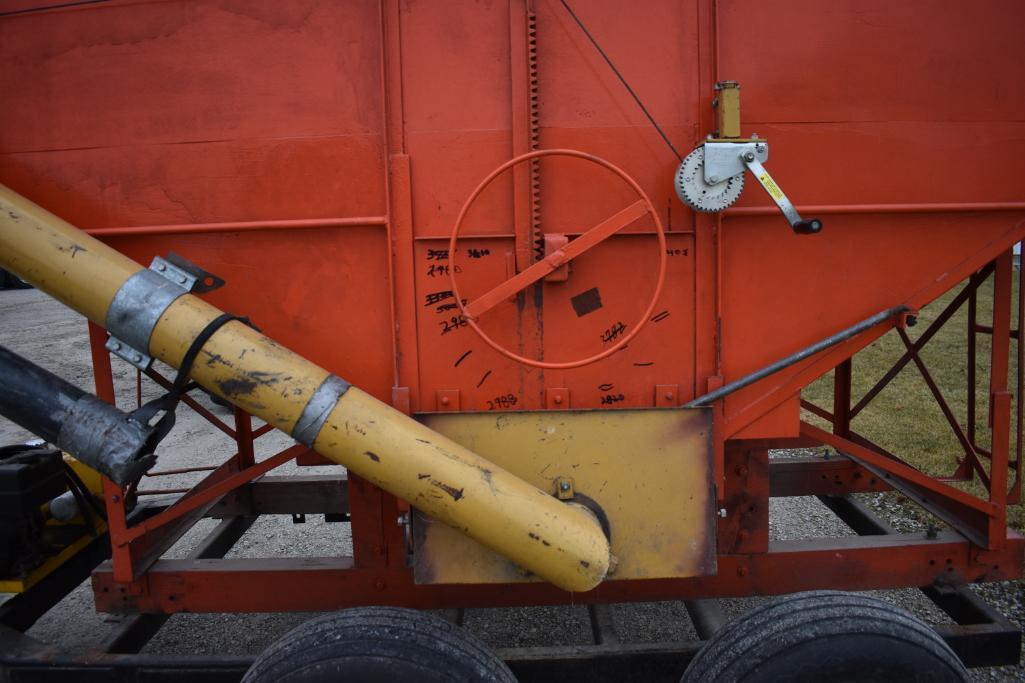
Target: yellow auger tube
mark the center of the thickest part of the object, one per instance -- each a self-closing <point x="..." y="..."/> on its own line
<point x="558" y="542"/>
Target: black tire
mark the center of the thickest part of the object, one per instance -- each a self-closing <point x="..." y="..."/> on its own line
<point x="378" y="645"/>
<point x="825" y="636"/>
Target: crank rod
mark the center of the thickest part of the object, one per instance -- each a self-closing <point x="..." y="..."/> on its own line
<point x="797" y="357"/>
<point x="800" y="225"/>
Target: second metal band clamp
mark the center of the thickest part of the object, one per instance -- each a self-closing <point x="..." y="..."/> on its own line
<point x="318" y="408"/>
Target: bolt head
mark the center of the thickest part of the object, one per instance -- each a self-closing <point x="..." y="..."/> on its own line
<point x="722" y="512"/>
<point x="116" y="346"/>
<point x="137" y="357"/>
<point x="749" y="156"/>
<point x="445" y="400"/>
<point x="182" y="279"/>
<point x="161" y="267"/>
<point x="557" y="400"/>
<point x="564" y="486"/>
<point x="713" y="178"/>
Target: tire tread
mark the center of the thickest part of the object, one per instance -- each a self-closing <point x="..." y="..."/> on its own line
<point x="361" y="632"/>
<point x="787" y="623"/>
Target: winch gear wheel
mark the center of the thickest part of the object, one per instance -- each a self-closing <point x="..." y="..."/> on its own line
<point x="699" y="195"/>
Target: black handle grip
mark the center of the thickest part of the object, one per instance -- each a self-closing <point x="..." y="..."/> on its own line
<point x="807" y="227"/>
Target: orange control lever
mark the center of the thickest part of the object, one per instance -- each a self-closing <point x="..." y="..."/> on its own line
<point x="557" y="259"/>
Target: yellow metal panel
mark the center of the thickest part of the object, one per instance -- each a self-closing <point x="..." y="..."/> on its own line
<point x="648" y="470"/>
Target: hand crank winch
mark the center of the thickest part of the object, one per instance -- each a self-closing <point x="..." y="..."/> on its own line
<point x="711" y="178"/>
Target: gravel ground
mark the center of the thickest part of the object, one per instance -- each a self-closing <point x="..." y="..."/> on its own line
<point x="50" y="335"/>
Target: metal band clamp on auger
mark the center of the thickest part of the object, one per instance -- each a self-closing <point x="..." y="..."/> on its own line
<point x="289" y="392"/>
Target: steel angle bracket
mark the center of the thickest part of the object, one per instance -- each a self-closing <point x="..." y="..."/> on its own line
<point x="143" y="298"/>
<point x="725" y="159"/>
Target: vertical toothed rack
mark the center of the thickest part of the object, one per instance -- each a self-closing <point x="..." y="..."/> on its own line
<point x="524" y="105"/>
<point x="525" y="132"/>
<point x="535" y="135"/>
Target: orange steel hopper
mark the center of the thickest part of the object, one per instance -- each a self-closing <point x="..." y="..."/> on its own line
<point x="462" y="208"/>
<point x="247" y="140"/>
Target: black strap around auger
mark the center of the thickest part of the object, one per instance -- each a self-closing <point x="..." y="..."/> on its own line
<point x="181" y="385"/>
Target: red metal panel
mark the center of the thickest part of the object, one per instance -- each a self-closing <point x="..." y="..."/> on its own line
<point x="858" y="60"/>
<point x="864" y="264"/>
<point x="210" y="71"/>
<point x="628" y="378"/>
<point x="141" y="113"/>
<point x="143" y="97"/>
<point x="202" y="182"/>
<point x="325" y="290"/>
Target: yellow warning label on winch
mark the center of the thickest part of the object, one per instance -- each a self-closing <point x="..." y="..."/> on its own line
<point x="770" y="186"/>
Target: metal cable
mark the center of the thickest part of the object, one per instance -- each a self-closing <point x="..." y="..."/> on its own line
<point x="621" y="79"/>
<point x="63" y="5"/>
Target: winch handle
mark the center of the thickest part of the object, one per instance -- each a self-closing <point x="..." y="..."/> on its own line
<point x="800" y="226"/>
<point x="808" y="226"/>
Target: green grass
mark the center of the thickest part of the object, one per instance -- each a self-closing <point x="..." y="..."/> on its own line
<point x="904" y="418"/>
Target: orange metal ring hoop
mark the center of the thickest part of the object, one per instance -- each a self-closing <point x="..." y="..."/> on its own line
<point x="650" y="210"/>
